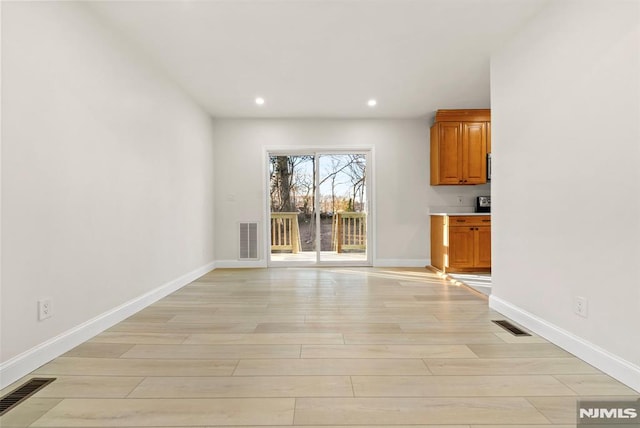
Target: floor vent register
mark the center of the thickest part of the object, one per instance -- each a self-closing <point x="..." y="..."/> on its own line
<point x="511" y="328"/>
<point x="23" y="392"/>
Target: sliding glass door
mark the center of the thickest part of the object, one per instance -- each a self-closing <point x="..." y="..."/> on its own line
<point x="318" y="208"/>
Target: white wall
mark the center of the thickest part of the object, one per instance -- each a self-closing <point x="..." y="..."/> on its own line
<point x="402" y="193"/>
<point x="107" y="176"/>
<point x="566" y="189"/>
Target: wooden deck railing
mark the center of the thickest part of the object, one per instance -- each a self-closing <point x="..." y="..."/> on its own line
<point x="349" y="231"/>
<point x="285" y="233"/>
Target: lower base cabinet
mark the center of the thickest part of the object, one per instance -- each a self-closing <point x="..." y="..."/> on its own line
<point x="461" y="243"/>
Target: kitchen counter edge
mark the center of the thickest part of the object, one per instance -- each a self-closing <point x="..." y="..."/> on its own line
<point x="459" y="214"/>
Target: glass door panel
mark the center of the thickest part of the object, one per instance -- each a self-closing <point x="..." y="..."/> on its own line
<point x="291" y="204"/>
<point x="342" y="204"/>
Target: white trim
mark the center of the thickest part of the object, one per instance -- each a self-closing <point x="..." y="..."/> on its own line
<point x="372" y="231"/>
<point x="328" y="264"/>
<point x="1" y="211"/>
<point x="23" y="364"/>
<point x="266" y="207"/>
<point x="241" y="264"/>
<point x="317" y="218"/>
<point x="401" y="263"/>
<point x="616" y="367"/>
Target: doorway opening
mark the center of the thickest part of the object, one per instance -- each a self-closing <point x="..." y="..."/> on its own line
<point x="319" y="208"/>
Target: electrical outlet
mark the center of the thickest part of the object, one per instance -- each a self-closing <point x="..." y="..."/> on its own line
<point x="44" y="309"/>
<point x="580" y="306"/>
<point x="460" y="200"/>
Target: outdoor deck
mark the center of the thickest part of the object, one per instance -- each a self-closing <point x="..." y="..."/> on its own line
<point x="325" y="256"/>
<point x="348" y="232"/>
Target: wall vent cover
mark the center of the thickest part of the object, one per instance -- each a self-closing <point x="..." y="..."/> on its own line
<point x="23" y="392"/>
<point x="511" y="328"/>
<point x="248" y="241"/>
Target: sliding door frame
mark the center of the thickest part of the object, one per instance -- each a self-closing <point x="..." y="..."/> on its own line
<point x="370" y="206"/>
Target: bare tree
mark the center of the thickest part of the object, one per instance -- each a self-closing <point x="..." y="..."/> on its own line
<point x="283" y="181"/>
<point x="303" y="185"/>
<point x="287" y="182"/>
<point x="357" y="173"/>
<point x="353" y="168"/>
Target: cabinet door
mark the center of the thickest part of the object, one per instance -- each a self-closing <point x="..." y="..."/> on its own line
<point x="449" y="152"/>
<point x="461" y="247"/>
<point x="482" y="252"/>
<point x="474" y="152"/>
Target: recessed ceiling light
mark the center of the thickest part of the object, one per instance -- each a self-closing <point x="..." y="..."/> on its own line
<point x="259" y="101"/>
<point x="372" y="103"/>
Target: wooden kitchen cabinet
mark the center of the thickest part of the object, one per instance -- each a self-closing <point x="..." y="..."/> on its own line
<point x="460" y="141"/>
<point x="460" y="248"/>
<point x="482" y="254"/>
<point x="461" y="243"/>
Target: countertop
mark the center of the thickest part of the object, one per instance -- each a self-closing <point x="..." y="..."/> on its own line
<point x="457" y="214"/>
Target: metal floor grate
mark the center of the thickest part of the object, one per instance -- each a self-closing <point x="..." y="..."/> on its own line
<point x="23" y="392"/>
<point x="511" y="328"/>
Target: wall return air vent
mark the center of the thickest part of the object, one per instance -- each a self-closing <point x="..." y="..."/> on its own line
<point x="248" y="241"/>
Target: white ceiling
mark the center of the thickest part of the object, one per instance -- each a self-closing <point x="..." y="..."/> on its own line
<point x="324" y="58"/>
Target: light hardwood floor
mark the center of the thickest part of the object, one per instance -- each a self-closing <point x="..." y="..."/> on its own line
<point x="314" y="347"/>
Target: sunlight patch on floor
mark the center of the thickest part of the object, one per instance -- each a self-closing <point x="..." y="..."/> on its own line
<point x="478" y="281"/>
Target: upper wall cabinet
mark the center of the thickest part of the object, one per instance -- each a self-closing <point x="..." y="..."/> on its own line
<point x="460" y="141"/>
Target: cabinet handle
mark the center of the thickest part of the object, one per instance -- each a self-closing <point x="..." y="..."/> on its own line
<point x="465" y="181"/>
<point x="486" y="221"/>
<point x="461" y="221"/>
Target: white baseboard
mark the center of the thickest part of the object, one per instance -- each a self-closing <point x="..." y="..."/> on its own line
<point x="401" y="262"/>
<point x="241" y="264"/>
<point x="616" y="367"/>
<point x="23" y="364"/>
